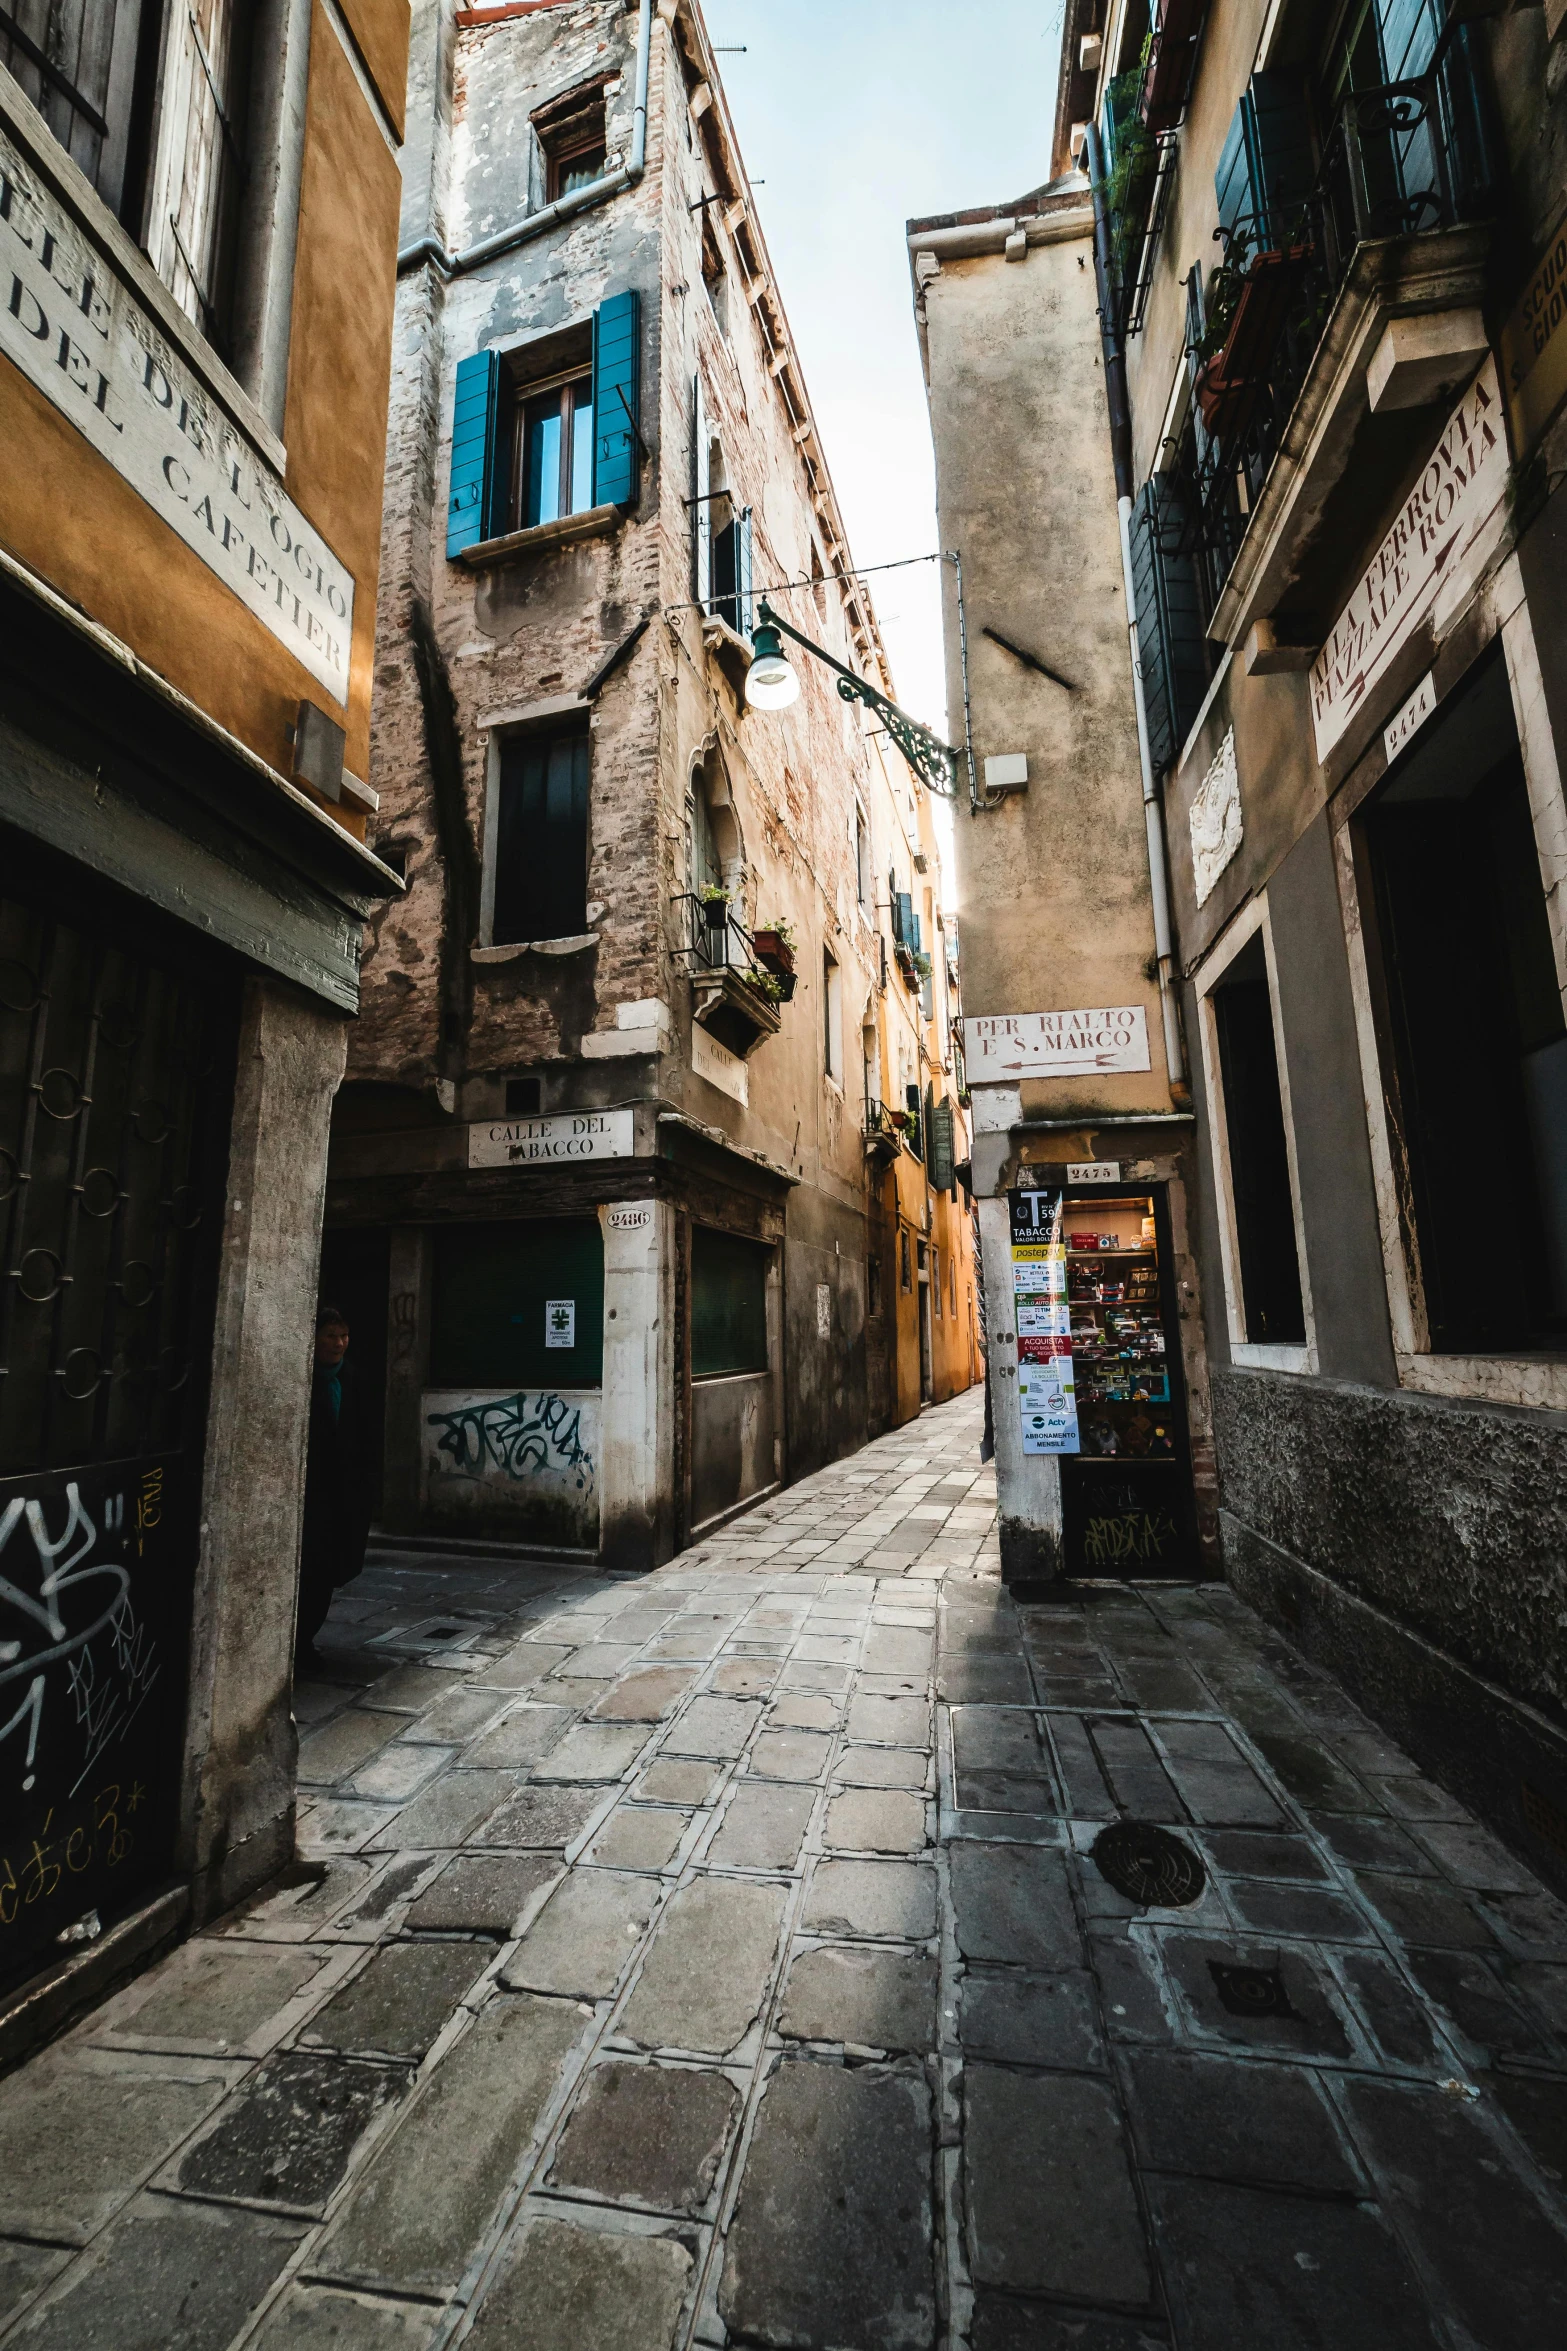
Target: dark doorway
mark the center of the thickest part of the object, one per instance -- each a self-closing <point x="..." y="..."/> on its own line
<point x="356" y="1276"/>
<point x="1263" y="1203"/>
<point x="1474" y="1015"/>
<point x="116" y="1084"/>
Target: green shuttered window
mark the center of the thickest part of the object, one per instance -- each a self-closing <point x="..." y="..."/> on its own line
<point x="541" y="838"/>
<point x="554" y="476"/>
<point x="1170" y="641"/>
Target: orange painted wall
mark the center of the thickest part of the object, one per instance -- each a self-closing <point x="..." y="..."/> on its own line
<point x="67" y="515"/>
<point x="380" y="30"/>
<point x="340" y="344"/>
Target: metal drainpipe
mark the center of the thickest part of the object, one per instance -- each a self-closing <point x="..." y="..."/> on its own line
<point x="534" y="224"/>
<point x="1121" y="453"/>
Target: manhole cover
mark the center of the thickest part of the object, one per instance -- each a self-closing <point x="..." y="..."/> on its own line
<point x="1147" y="1864"/>
<point x="1251" y="1991"/>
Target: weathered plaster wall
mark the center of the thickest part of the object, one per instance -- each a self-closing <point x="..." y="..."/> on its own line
<point x="1026" y="490"/>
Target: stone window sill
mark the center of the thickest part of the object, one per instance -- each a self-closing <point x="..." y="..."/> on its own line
<point x="1280" y="1355"/>
<point x="596" y="523"/>
<point x="1539" y="1381"/>
<point x="515" y="947"/>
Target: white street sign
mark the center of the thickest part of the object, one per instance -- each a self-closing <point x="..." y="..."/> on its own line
<point x="538" y="1142"/>
<point x="1055" y="1044"/>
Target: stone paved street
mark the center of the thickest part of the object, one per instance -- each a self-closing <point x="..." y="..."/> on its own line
<point x="719" y="1958"/>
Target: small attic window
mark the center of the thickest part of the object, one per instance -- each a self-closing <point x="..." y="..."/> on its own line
<point x="572" y="139"/>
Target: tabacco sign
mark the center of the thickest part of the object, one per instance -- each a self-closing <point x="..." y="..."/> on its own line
<point x="81" y="335"/>
<point x="1055" y="1044"/>
<point x="536" y="1142"/>
<point x="1464" y="477"/>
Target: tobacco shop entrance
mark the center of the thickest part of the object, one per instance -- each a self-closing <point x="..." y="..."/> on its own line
<point x="1127" y="1493"/>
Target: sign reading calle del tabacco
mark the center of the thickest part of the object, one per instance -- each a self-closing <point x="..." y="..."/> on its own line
<point x="81" y="334"/>
<point x="1002" y="1045"/>
<point x="536" y="1142"/>
<point x="1456" y="493"/>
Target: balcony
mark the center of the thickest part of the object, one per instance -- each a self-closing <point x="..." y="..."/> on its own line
<point x="739" y="978"/>
<point x="1297" y="353"/>
<point x="884" y="1130"/>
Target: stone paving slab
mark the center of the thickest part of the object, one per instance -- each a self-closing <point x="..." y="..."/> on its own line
<point x="740" y="1972"/>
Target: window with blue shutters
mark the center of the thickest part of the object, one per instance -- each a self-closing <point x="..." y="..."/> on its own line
<point x="1171" y="644"/>
<point x="617" y="371"/>
<point x="531" y="448"/>
<point x="470" y="515"/>
<point x="1267" y="164"/>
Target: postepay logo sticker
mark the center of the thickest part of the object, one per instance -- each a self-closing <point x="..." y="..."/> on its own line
<point x="560" y="1322"/>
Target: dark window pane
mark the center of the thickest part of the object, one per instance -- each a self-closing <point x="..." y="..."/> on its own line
<point x="492" y="1285"/>
<point x="1259" y="1159"/>
<point x="1476" y="1019"/>
<point x="541" y="847"/>
<point x="728" y="1303"/>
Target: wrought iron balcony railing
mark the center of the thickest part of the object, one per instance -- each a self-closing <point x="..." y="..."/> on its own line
<point x="715" y="940"/>
<point x="1399" y="160"/>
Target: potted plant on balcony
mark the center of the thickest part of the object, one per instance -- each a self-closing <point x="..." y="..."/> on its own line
<point x="773" y="946"/>
<point x="714" y="899"/>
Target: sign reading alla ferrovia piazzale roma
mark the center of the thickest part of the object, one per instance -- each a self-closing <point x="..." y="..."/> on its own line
<point x="82" y="334"/>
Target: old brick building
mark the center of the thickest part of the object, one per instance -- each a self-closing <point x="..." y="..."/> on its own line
<point x="600" y="1167"/>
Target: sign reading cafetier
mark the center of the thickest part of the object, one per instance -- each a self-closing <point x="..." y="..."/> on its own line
<point x="1457" y="492"/>
<point x="81" y="334"/>
<point x="537" y="1142"/>
<point x="1054" y="1044"/>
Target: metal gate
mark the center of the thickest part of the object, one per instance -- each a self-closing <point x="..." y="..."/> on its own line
<point x="115" y="1083"/>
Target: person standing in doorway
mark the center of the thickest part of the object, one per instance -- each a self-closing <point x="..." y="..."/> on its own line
<point x="338" y="1496"/>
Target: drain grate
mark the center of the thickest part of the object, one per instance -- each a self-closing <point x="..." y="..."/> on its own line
<point x="1147" y="1864"/>
<point x="1251" y="1991"/>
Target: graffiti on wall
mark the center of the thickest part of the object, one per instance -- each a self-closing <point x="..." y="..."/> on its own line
<point x="519" y="1435"/>
<point x="526" y="1459"/>
<point x="87" y="1770"/>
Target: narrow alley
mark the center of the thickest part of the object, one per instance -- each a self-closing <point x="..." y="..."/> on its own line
<point x="721" y="1957"/>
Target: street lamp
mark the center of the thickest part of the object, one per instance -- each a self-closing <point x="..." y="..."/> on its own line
<point x="772" y="683"/>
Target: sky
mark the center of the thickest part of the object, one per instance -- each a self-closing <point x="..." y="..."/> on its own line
<point x="857" y="116"/>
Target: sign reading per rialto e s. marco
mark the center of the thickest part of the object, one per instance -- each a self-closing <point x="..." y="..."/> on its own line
<point x="83" y="336"/>
<point x="1003" y="1045"/>
<point x="1456" y="493"/>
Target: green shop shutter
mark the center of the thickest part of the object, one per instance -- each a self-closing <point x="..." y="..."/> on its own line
<point x="617" y="376"/>
<point x="941" y="1148"/>
<point x="469" y="515"/>
<point x="1170" y="641"/>
<point x="728" y="1303"/>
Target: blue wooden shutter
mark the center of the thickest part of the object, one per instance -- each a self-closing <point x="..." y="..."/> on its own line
<point x="470" y="514"/>
<point x="617" y="378"/>
<point x="1266" y="166"/>
<point x="1279" y="134"/>
<point x="1171" y="644"/>
<point x="744" y="567"/>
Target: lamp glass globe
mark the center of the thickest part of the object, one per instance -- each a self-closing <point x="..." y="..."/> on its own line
<point x="771" y="683"/>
